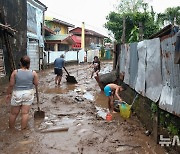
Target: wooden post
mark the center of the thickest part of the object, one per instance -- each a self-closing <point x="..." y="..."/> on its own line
<point x="115" y="56"/>
<point x="7" y="43"/>
<point x="124" y="31"/>
<point x="141" y="31"/>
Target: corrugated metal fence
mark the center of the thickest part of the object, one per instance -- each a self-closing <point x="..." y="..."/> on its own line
<point x="148" y="67"/>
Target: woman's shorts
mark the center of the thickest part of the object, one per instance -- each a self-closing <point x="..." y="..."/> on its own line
<point x="96" y="69"/>
<point x="58" y="71"/>
<point x="22" y="97"/>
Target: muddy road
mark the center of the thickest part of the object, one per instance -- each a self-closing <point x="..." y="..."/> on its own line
<point x="81" y="108"/>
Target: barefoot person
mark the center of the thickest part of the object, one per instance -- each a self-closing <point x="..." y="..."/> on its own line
<point x="113" y="89"/>
<point x="58" y="65"/>
<point x="21" y="92"/>
<point x="96" y="66"/>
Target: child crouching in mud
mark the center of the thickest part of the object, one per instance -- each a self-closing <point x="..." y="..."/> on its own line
<point x="113" y="89"/>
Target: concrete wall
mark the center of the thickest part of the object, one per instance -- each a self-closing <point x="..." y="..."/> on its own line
<point x="70" y="56"/>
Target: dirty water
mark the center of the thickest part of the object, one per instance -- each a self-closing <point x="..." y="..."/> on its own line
<point x="58" y="89"/>
<point x="88" y="96"/>
<point x="81" y="108"/>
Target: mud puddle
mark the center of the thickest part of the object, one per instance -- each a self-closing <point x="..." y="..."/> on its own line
<point x="81" y="108"/>
<point x="58" y="89"/>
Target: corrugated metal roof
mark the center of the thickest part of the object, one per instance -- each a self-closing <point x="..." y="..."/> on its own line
<point x="165" y="31"/>
<point x="38" y="4"/>
<point x="76" y="39"/>
<point x="57" y="37"/>
<point x="77" y="31"/>
<point x="170" y="96"/>
<point x="49" y="19"/>
<point x="168" y="30"/>
<point x="41" y="4"/>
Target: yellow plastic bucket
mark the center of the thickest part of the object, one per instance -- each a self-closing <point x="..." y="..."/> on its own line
<point x="125" y="110"/>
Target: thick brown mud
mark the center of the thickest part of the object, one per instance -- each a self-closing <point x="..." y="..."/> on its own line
<point x="82" y="108"/>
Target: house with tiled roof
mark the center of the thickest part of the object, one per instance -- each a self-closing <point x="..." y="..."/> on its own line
<point x="76" y="42"/>
<point x="92" y="39"/>
<point x="57" y="37"/>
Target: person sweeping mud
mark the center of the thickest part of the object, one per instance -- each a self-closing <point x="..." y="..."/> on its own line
<point x="113" y="89"/>
<point x="58" y="65"/>
<point x="21" y="87"/>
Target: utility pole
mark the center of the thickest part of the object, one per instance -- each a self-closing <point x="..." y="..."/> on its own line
<point x="83" y="37"/>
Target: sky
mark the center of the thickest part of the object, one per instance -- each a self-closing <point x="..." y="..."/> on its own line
<point x="93" y="12"/>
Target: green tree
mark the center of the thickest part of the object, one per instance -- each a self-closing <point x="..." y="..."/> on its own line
<point x="134" y="34"/>
<point x="130" y="6"/>
<point x="107" y="40"/>
<point x="115" y="20"/>
<point x="134" y="12"/>
<point x="170" y="15"/>
<point x="102" y="52"/>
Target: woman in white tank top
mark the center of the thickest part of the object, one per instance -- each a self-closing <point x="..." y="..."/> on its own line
<point x="20" y="92"/>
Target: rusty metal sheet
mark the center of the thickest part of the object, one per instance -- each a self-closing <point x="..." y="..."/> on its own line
<point x="170" y="95"/>
<point x="153" y="70"/>
<point x="169" y="100"/>
<point x="140" y="82"/>
<point x="133" y="65"/>
<point x="127" y="62"/>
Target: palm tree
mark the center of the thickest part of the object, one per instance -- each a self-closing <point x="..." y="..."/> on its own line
<point x="172" y="15"/>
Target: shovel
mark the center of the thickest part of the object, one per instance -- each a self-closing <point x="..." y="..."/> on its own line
<point x="38" y="114"/>
<point x="70" y="79"/>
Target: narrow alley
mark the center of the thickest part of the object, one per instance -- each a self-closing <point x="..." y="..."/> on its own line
<point x="81" y="108"/>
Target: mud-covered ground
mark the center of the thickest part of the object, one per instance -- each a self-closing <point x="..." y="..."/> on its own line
<point x="81" y="108"/>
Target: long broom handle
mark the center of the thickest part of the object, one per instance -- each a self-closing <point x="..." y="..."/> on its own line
<point x="37" y="95"/>
<point x="66" y="71"/>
